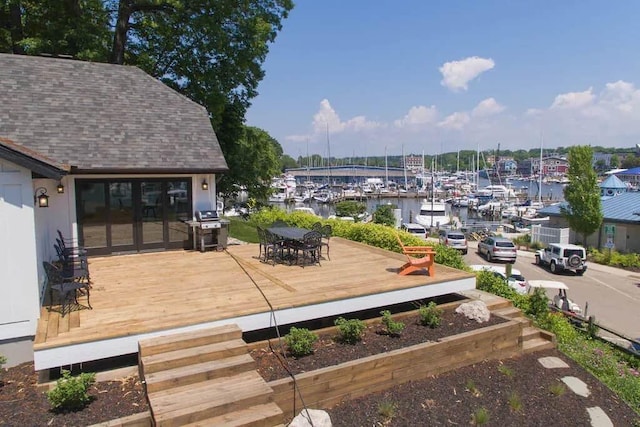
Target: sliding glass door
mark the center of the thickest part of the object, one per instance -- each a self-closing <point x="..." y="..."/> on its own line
<point x="133" y="215"/>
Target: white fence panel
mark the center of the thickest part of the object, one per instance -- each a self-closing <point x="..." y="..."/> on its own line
<point x="546" y="235"/>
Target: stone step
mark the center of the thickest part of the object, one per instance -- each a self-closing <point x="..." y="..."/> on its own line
<point x="537" y="344"/>
<point x="191" y="374"/>
<point x="192" y="355"/>
<point x="151" y="346"/>
<point x="266" y="415"/>
<point x="208" y="399"/>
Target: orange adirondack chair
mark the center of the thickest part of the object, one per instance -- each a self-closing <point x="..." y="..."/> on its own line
<point x="415" y="264"/>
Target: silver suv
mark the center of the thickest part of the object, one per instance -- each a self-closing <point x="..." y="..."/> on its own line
<point x="454" y="239"/>
<point x="560" y="257"/>
<point x="497" y="248"/>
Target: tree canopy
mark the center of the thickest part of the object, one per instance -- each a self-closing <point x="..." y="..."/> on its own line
<point x="582" y="194"/>
<point x="210" y="51"/>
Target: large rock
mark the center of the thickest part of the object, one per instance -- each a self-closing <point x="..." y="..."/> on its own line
<point x="318" y="419"/>
<point x="476" y="310"/>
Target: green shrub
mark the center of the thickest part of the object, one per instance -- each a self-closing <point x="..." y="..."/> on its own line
<point x="350" y="208"/>
<point x="480" y="417"/>
<point x="538" y="303"/>
<point x="536" y="245"/>
<point x="70" y="393"/>
<point x="300" y="341"/>
<point x="384" y="215"/>
<point x="3" y="360"/>
<point x="350" y="330"/>
<point x="430" y="315"/>
<point x="393" y="328"/>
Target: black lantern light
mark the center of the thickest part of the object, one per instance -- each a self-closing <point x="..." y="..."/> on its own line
<point x="41" y="199"/>
<point x="205" y="184"/>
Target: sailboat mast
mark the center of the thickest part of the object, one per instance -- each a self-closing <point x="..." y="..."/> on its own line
<point x="386" y="169"/>
<point x="404" y="164"/>
<point x="540" y="171"/>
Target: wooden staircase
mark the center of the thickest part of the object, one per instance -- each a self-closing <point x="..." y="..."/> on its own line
<point x="532" y="338"/>
<point x="205" y="378"/>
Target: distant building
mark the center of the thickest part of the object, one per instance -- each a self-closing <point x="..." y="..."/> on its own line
<point x="414" y="162"/>
<point x="603" y="158"/>
<point x="621" y="218"/>
<point x="632" y="176"/>
<point x="551" y="166"/>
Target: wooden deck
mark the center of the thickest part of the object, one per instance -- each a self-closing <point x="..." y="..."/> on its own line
<point x="145" y="295"/>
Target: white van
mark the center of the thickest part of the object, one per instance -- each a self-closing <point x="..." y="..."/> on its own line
<point x="415" y="229"/>
<point x="516" y="280"/>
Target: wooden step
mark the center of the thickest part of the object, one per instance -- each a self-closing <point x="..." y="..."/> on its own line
<point x="530" y="333"/>
<point x="537" y="344"/>
<point x="151" y="346"/>
<point x="191" y="374"/>
<point x="508" y="312"/>
<point x="196" y="402"/>
<point x="266" y="415"/>
<point x="498" y="303"/>
<point x="192" y="355"/>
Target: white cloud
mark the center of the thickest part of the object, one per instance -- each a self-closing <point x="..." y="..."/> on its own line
<point x="328" y="119"/>
<point x="418" y="116"/>
<point x="572" y="100"/>
<point x="457" y="74"/>
<point x="487" y="107"/>
<point x="607" y="116"/>
<point x="456" y="121"/>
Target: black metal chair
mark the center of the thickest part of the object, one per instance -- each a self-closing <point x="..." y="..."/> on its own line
<point x="66" y="289"/>
<point x="326" y="232"/>
<point x="262" y="239"/>
<point x="310" y="248"/>
<point x="73" y="266"/>
<point x="274" y="247"/>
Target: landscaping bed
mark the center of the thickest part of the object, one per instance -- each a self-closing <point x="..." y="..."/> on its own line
<point x="517" y="391"/>
<point x="329" y="351"/>
<point x="23" y="403"/>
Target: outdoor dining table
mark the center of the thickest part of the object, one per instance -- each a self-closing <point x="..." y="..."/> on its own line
<point x="289" y="233"/>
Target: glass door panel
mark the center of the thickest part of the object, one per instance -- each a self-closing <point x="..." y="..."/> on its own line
<point x="152" y="207"/>
<point x="178" y="204"/>
<point x="92" y="214"/>
<point x="121" y="213"/>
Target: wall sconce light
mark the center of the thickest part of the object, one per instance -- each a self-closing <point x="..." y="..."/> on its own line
<point x="41" y="199"/>
<point x="205" y="184"/>
<point x="60" y="188"/>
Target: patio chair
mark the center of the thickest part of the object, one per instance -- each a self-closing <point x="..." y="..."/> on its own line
<point x="326" y="232"/>
<point x="274" y="247"/>
<point x="310" y="248"/>
<point x="416" y="264"/>
<point x="74" y="266"/>
<point x="66" y="289"/>
<point x="262" y="240"/>
<point x="69" y="246"/>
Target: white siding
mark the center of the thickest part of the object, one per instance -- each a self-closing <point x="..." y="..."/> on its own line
<point x="19" y="305"/>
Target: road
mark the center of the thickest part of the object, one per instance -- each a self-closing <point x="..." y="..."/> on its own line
<point x="612" y="295"/>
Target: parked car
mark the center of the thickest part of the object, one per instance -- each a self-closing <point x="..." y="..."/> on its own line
<point x="497" y="248"/>
<point x="415" y="229"/>
<point x="516" y="280"/>
<point x="454" y="239"/>
<point x="560" y="257"/>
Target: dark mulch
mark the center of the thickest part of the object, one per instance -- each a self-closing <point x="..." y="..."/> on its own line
<point x="328" y="351"/>
<point x="22" y="404"/>
<point x="453" y="398"/>
<point x="449" y="399"/>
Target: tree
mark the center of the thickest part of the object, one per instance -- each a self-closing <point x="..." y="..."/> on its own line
<point x="614" y="163"/>
<point x="584" y="210"/>
<point x="252" y="162"/>
<point x="630" y="161"/>
<point x="287" y="162"/>
<point x="384" y="215"/>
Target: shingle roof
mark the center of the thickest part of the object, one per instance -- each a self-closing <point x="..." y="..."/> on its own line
<point x="621" y="208"/>
<point x="102" y="117"/>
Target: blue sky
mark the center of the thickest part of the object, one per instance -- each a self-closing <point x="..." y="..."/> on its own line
<point x="439" y="76"/>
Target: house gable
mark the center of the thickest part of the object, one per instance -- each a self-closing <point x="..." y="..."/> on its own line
<point x="104" y="118"/>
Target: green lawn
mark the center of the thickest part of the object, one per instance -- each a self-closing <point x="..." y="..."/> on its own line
<point x="242" y="230"/>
